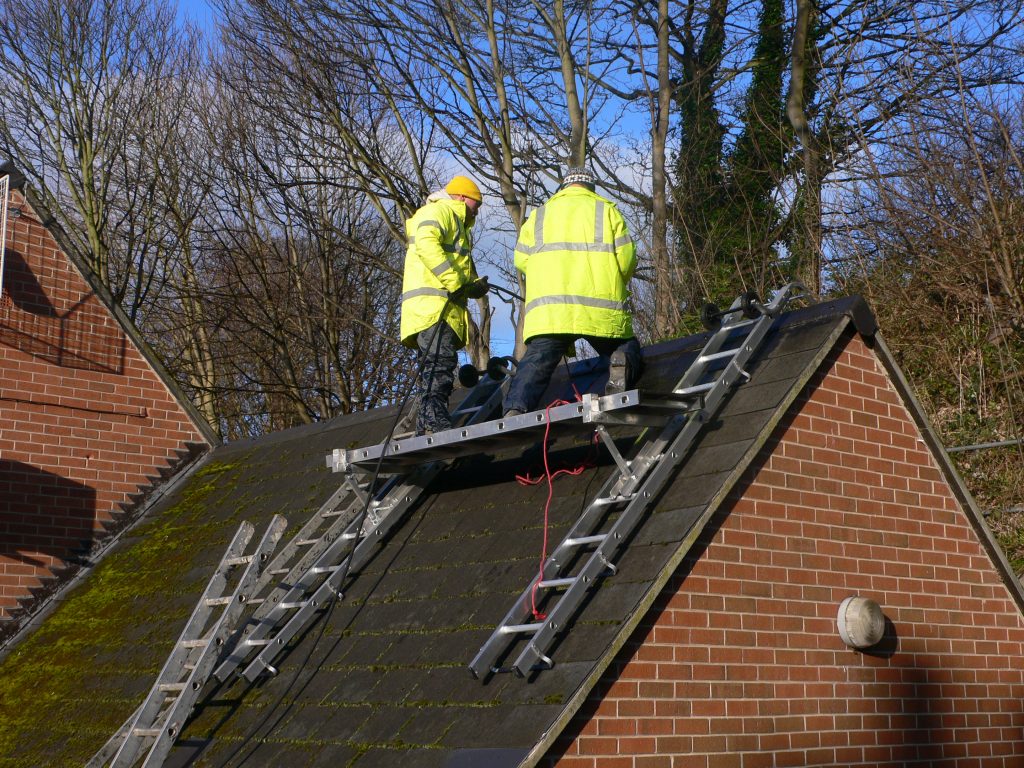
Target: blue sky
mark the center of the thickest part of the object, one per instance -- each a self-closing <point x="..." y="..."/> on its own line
<point x="198" y="11"/>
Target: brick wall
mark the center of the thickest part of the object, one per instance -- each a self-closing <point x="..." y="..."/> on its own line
<point x="740" y="663"/>
<point x="84" y="419"/>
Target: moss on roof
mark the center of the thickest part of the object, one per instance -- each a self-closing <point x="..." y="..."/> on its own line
<point x="381" y="677"/>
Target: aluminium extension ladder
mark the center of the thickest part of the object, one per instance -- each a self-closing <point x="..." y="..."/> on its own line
<point x="149" y="733"/>
<point x="631" y="490"/>
<point x="316" y="578"/>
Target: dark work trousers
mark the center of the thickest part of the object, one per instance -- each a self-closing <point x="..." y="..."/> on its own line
<point x="438" y="347"/>
<point x="542" y="356"/>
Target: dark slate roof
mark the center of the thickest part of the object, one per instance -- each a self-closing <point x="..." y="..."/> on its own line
<point x="382" y="678"/>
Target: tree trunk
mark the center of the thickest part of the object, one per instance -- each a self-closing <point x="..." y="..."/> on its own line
<point x="809" y="255"/>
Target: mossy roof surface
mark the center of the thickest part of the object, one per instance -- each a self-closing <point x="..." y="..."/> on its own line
<point x="381" y="678"/>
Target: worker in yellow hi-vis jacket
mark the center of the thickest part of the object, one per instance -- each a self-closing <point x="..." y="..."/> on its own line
<point x="577" y="256"/>
<point x="439" y="278"/>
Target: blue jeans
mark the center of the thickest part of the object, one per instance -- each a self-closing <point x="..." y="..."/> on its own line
<point x="542" y="355"/>
<point x="438" y="353"/>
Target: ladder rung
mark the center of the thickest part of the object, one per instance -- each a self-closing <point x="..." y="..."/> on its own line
<point x="582" y="540"/>
<point x="324" y="569"/>
<point x="258" y="643"/>
<point x="696" y="389"/>
<point x="194" y="643"/>
<point x="291" y="606"/>
<point x="549" y="583"/>
<point x="334" y="513"/>
<point x="143" y="732"/>
<point x="280" y="571"/>
<point x="243" y="560"/>
<point x="304" y="542"/>
<point x="172" y="687"/>
<point x="719" y="355"/>
<point x="529" y="629"/>
<point x="212" y="601"/>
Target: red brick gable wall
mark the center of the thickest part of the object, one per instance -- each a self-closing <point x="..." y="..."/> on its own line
<point x="740" y="663"/>
<point x="84" y="419"/>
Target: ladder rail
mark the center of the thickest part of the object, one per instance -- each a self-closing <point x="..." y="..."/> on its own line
<point x="180" y="710"/>
<point x="235" y="649"/>
<point x="128" y="752"/>
<point x="606" y="551"/>
<point x="636" y="485"/>
<point x="560" y="557"/>
<point x="126" y="745"/>
<point x="654" y="482"/>
<point x="320" y="555"/>
<point x="301" y="597"/>
<point x="304" y="597"/>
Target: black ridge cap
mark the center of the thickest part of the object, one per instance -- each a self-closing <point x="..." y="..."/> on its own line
<point x="629" y="624"/>
<point x="47" y="219"/>
<point x="949" y="471"/>
<point x="342" y="420"/>
<point x="854" y="307"/>
<point x="7" y="168"/>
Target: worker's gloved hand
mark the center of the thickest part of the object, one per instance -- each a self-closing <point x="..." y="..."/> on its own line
<point x="475" y="290"/>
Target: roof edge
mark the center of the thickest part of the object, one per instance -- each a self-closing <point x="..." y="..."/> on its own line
<point x="854" y="307"/>
<point x="50" y="223"/>
<point x="642" y="608"/>
<point x="7" y="168"/>
<point x="39" y="613"/>
<point x="949" y="471"/>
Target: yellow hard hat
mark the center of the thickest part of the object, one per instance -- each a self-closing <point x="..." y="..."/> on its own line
<point x="461" y="185"/>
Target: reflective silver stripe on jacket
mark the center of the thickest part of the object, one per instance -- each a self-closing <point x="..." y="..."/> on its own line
<point x="454" y="249"/>
<point x="424" y="292"/>
<point x="598" y="246"/>
<point x="585" y="301"/>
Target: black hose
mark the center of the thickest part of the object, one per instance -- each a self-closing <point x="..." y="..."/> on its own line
<point x="387" y="441"/>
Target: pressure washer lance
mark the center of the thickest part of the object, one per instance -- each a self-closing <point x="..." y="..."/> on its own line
<point x="500" y="289"/>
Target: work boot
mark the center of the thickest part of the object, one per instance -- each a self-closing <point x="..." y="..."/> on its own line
<point x="616" y="374"/>
<point x="512" y="412"/>
<point x="434" y="428"/>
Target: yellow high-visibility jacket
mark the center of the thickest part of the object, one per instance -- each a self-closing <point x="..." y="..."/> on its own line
<point x="578" y="257"/>
<point x="438" y="261"/>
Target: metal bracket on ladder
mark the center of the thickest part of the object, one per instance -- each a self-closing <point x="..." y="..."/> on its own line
<point x="631" y="490"/>
<point x="315" y="580"/>
<point x="156" y="723"/>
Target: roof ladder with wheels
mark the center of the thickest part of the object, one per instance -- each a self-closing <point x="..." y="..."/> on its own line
<point x="627" y="494"/>
<point x="151" y="730"/>
<point x="316" y="579"/>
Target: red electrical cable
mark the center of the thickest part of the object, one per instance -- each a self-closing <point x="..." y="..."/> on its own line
<point x="537" y="615"/>
<point x="590" y="462"/>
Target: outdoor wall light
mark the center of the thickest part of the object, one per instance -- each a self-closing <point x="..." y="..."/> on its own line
<point x="861" y="622"/>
